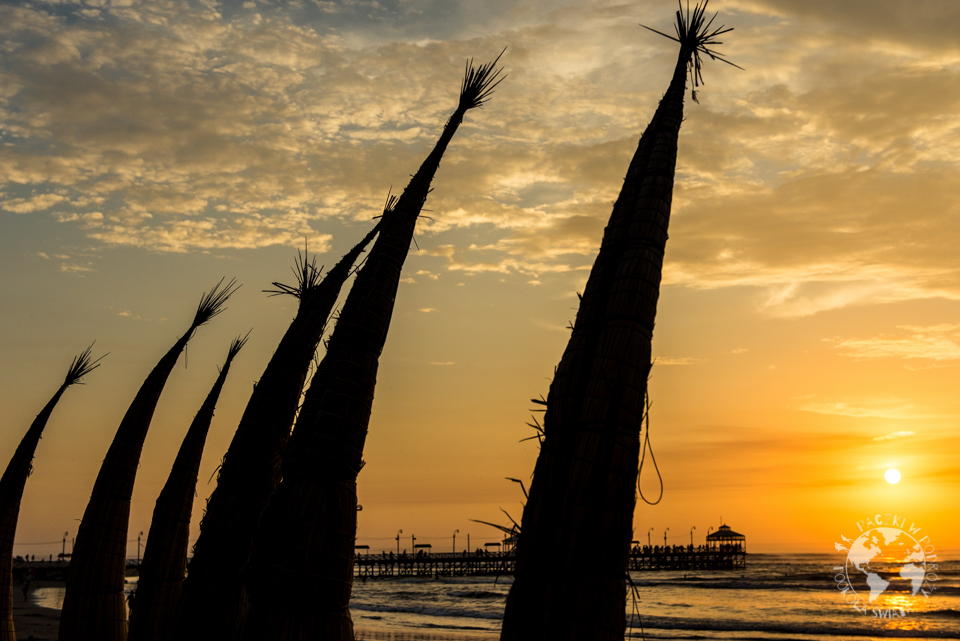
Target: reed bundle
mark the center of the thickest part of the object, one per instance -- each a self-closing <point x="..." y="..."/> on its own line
<point x="93" y="606"/>
<point x="13" y="482"/>
<point x="584" y="485"/>
<point x="250" y="470"/>
<point x="164" y="562"/>
<point x="307" y="533"/>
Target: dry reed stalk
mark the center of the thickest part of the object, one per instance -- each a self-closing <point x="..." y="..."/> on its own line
<point x="250" y="470"/>
<point x="301" y="570"/>
<point x="13" y="482"/>
<point x="584" y="485"/>
<point x="164" y="562"/>
<point x="93" y="606"/>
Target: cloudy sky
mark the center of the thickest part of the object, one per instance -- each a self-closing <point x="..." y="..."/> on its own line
<point x="808" y="335"/>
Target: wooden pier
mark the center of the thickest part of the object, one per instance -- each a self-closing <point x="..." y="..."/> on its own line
<point x="480" y="563"/>
<point x="426" y="564"/>
<point x="56" y="570"/>
<point x="686" y="558"/>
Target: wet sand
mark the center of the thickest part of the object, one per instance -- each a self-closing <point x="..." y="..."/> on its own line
<point x="35" y="623"/>
<point x="32" y="622"/>
<point x="384" y="635"/>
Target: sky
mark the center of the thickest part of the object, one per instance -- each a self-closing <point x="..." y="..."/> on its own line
<point x="808" y="331"/>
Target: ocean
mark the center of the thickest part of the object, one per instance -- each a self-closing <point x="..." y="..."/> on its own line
<point x="779" y="597"/>
<point x="776" y="597"/>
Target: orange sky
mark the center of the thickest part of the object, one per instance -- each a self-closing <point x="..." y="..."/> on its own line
<point x="808" y="334"/>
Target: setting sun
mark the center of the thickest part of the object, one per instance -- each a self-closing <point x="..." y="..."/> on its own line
<point x="892" y="476"/>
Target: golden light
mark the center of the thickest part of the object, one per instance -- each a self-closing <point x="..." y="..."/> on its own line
<point x="892" y="476"/>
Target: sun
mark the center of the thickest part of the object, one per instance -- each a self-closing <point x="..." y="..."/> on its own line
<point x="892" y="476"/>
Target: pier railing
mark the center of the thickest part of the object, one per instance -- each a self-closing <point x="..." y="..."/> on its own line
<point x="433" y="564"/>
<point x="727" y="557"/>
<point x="481" y="563"/>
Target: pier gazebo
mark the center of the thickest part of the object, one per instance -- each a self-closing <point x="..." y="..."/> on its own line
<point x="729" y="546"/>
<point x="726" y="537"/>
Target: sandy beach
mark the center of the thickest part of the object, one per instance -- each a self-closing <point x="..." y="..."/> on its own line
<point x="32" y="622"/>
<point x="36" y="623"/>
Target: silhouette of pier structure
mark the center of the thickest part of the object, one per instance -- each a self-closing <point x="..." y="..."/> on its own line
<point x="48" y="569"/>
<point x="724" y="550"/>
<point x="430" y="564"/>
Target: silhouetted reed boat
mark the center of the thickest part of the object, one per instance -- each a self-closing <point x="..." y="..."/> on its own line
<point x="299" y="578"/>
<point x="164" y="562"/>
<point x="585" y="481"/>
<point x="93" y="605"/>
<point x="250" y="470"/>
<point x="13" y="482"/>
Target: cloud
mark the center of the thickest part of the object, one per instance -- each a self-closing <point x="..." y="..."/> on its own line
<point x="253" y="121"/>
<point x="927" y="24"/>
<point x="877" y="407"/>
<point x="200" y="133"/>
<point x="823" y="242"/>
<point x="686" y="360"/>
<point x="75" y="261"/>
<point x="893" y="436"/>
<point x="90" y="220"/>
<point x="192" y="128"/>
<point x="936" y="342"/>
<point x="29" y="205"/>
<point x="792" y="181"/>
<point x="76" y="269"/>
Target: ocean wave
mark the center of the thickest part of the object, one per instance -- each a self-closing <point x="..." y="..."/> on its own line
<point x="476" y="594"/>
<point x="815" y="583"/>
<point x="809" y="628"/>
<point x="825" y="583"/>
<point x="408" y="595"/>
<point x="438" y="626"/>
<point x="427" y="610"/>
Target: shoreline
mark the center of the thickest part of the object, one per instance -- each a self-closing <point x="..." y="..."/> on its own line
<point x="371" y="634"/>
<point x="34" y="622"/>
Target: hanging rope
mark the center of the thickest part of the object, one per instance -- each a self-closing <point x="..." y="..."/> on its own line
<point x="643" y="453"/>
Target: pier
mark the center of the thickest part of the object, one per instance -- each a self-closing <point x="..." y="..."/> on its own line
<point x="432" y="565"/>
<point x="724" y="550"/>
<point x="686" y="558"/>
<point x="428" y="564"/>
<point x="50" y="570"/>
